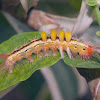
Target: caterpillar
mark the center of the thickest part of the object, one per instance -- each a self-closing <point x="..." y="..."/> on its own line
<point x="63" y="42"/>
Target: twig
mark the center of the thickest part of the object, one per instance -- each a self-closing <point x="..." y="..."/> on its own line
<point x="47" y="73"/>
<point x="84" y="20"/>
<point x="97" y="13"/>
<point x="96" y="91"/>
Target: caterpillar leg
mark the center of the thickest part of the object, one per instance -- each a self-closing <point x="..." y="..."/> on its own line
<point x="53" y="48"/>
<point x="37" y="50"/>
<point x="46" y="53"/>
<point x="86" y="57"/>
<point x="39" y="55"/>
<point x="75" y="55"/>
<point x="9" y="65"/>
<point x="46" y="49"/>
<point x="54" y="52"/>
<point x="28" y="56"/>
<point x="11" y="69"/>
<point x="30" y="59"/>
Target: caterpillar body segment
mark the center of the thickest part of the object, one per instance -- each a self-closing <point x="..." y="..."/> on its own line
<point x="68" y="36"/>
<point x="61" y="35"/>
<point x="53" y="43"/>
<point x="43" y="35"/>
<point x="53" y="35"/>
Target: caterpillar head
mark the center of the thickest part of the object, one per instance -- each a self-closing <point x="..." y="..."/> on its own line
<point x="84" y="50"/>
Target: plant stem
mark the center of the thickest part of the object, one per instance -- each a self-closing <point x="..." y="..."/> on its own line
<point x="97" y="13"/>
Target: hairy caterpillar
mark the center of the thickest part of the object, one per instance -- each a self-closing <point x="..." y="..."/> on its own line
<point x="62" y="43"/>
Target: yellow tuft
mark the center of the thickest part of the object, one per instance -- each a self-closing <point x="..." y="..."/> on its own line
<point x="61" y="35"/>
<point x="53" y="34"/>
<point x="68" y="36"/>
<point x="43" y="35"/>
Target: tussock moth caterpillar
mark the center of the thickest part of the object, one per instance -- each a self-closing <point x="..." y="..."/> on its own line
<point x="63" y="42"/>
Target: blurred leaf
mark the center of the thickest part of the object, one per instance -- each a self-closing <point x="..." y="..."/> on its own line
<point x="27" y="4"/>
<point x="76" y="3"/>
<point x="66" y="80"/>
<point x="91" y="2"/>
<point x="98" y="33"/>
<point x="4" y="27"/>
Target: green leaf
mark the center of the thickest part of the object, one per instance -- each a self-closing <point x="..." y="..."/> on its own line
<point x="76" y="3"/>
<point x="91" y="2"/>
<point x="98" y="33"/>
<point x="94" y="62"/>
<point x="24" y="69"/>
